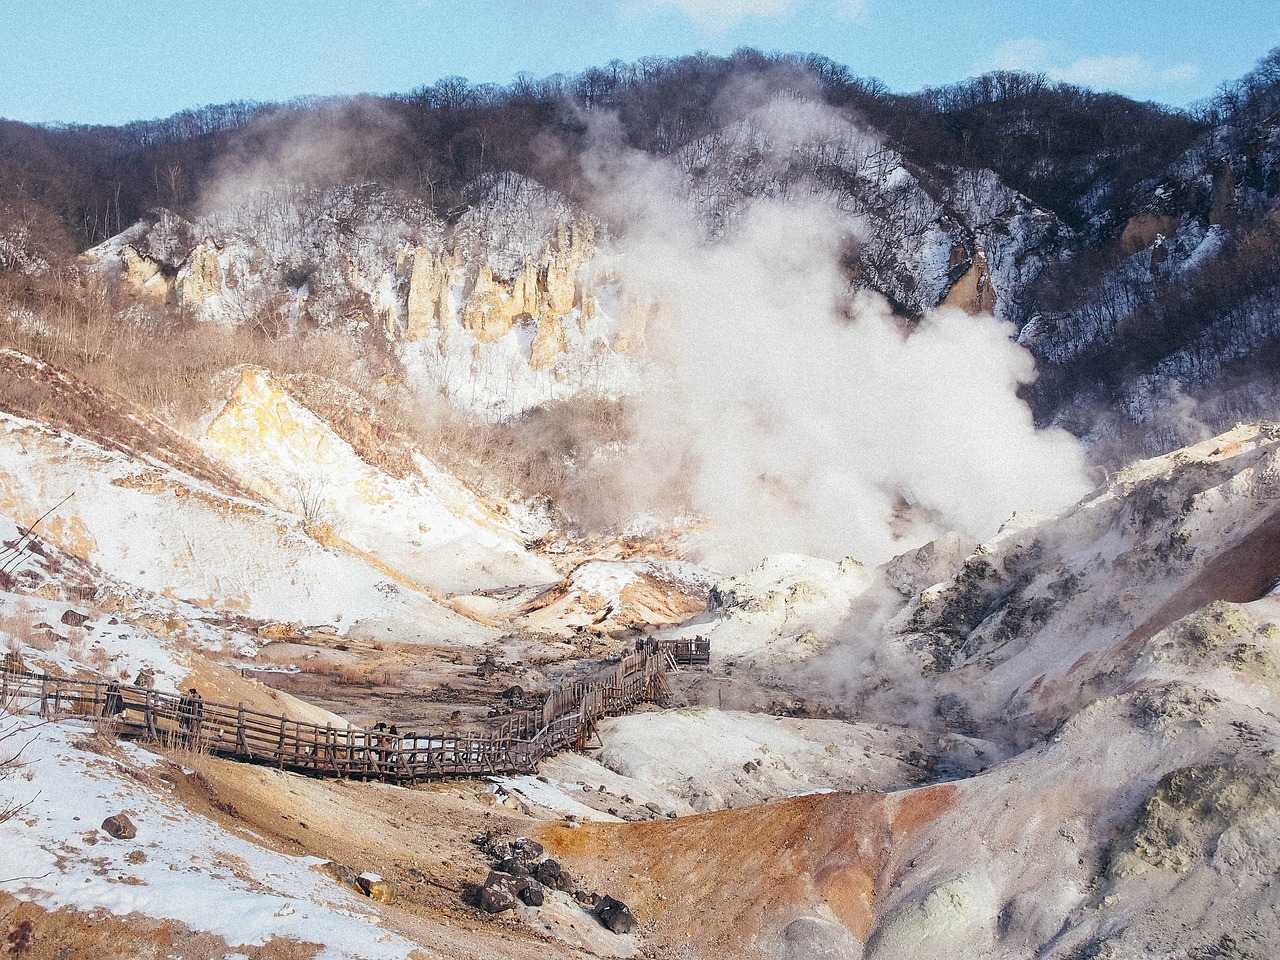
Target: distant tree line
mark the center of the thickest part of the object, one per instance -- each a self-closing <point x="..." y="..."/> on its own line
<point x="1071" y="150"/>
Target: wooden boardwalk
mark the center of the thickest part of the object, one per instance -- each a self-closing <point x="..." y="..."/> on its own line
<point x="566" y="721"/>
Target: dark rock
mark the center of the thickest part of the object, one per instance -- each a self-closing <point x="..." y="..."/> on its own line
<point x="547" y="871"/>
<point x="615" y="915"/>
<point x="74" y="619"/>
<point x="339" y="872"/>
<point x="514" y="867"/>
<point x="120" y="826"/>
<point x="527" y="850"/>
<point x="532" y="895"/>
<point x="497" y="898"/>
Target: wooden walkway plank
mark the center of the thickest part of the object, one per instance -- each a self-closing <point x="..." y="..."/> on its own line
<point x="567" y="720"/>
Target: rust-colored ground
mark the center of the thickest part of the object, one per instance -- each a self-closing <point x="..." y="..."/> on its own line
<point x="725" y="884"/>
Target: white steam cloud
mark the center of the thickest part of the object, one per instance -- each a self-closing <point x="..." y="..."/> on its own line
<point x="802" y="418"/>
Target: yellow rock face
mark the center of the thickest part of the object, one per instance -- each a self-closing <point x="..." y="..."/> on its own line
<point x="428" y="293"/>
<point x="974" y="292"/>
<point x="546" y="291"/>
<point x="635" y="325"/>
<point x="548" y="343"/>
<point x="204" y="277"/>
<point x="488" y="313"/>
<point x="1141" y="231"/>
<point x="144" y="278"/>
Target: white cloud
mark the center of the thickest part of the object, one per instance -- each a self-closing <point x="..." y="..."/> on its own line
<point x="849" y="9"/>
<point x="1130" y="73"/>
<point x="1024" y="53"/>
<point x="720" y="15"/>
<point x="1107" y="73"/>
<point x="717" y="14"/>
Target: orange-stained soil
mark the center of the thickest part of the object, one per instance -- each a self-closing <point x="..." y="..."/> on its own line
<point x="725" y="884"/>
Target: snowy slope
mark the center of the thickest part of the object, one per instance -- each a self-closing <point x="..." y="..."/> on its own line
<point x="170" y="535"/>
<point x="181" y="867"/>
<point x="424" y="524"/>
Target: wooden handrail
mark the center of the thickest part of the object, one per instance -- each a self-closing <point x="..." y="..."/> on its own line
<point x="567" y="719"/>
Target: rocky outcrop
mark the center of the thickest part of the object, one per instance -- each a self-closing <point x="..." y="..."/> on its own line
<point x="973" y="291"/>
<point x="201" y="277"/>
<point x="146" y="277"/>
<point x="428" y="301"/>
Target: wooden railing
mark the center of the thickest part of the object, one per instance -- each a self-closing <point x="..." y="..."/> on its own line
<point x="566" y="721"/>
<point x="696" y="650"/>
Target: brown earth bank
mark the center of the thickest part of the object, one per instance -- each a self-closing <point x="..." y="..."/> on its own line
<point x="729" y="883"/>
<point x="30" y="932"/>
<point x="417" y="839"/>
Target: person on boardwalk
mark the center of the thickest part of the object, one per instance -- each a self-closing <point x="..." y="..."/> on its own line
<point x="113" y="705"/>
<point x="191" y="712"/>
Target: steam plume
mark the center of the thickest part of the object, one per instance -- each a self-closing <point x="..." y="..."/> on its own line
<point x="807" y="418"/>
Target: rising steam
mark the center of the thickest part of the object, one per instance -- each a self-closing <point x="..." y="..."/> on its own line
<point x="799" y="416"/>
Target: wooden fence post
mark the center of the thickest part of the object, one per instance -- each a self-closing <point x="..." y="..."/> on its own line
<point x="149" y="715"/>
<point x="241" y="743"/>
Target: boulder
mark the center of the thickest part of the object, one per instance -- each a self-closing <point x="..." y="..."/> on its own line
<point x="530" y="851"/>
<point x="615" y="915"/>
<point x="515" y="867"/>
<point x="548" y="872"/>
<point x="120" y="826"/>
<point x="531" y="894"/>
<point x="339" y="873"/>
<point x="73" y="618"/>
<point x="374" y="887"/>
<point x="498" y="894"/>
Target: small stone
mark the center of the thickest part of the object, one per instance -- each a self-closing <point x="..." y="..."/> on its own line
<point x="120" y="826"/>
<point x="374" y="887"/>
<point x="339" y="873"/>
<point x="615" y="915"/>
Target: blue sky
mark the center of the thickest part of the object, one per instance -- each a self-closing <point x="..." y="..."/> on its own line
<point x="111" y="61"/>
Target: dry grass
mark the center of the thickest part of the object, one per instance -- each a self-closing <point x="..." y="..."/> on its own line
<point x="20" y="628"/>
<point x="174" y="367"/>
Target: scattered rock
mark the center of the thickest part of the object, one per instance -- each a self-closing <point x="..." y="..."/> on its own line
<point x="73" y="618"/>
<point x="120" y="826"/>
<point x="514" y="866"/>
<point x="615" y="915"/>
<point x="498" y="894"/>
<point x="527" y="850"/>
<point x="338" y="872"/>
<point x="374" y="887"/>
<point x="548" y="872"/>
